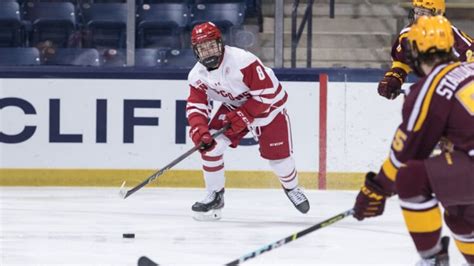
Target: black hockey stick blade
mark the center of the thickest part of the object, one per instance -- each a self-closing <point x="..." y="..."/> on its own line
<point x="290" y="238"/>
<point x="124" y="193"/>
<point x="145" y="261"/>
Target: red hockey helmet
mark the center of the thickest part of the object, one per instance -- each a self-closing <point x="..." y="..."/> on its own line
<point x="208" y="47"/>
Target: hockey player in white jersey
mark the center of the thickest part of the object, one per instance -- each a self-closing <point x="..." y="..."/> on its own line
<point x="252" y="100"/>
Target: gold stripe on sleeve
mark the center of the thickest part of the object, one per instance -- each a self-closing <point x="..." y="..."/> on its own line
<point x="401" y="65"/>
<point x="389" y="169"/>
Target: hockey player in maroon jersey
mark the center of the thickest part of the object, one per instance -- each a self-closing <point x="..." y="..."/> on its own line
<point x="252" y="100"/>
<point x="391" y="84"/>
<point x="439" y="105"/>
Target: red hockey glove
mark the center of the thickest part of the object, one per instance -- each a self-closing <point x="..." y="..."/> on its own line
<point x="371" y="199"/>
<point x="239" y="120"/>
<point x="199" y="132"/>
<point x="391" y="84"/>
<point x="201" y="136"/>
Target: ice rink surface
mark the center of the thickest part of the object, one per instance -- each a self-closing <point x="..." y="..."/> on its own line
<point x="84" y="226"/>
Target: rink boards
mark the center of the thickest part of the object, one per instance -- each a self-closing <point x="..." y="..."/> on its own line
<point x="100" y="131"/>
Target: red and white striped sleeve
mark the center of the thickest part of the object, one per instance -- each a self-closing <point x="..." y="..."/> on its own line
<point x="265" y="93"/>
<point x="197" y="107"/>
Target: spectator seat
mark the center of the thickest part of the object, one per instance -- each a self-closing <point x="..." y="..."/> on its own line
<point x="161" y="25"/>
<point x="54" y="22"/>
<point x="11" y="29"/>
<point x="105" y="25"/>
<point x="19" y="56"/>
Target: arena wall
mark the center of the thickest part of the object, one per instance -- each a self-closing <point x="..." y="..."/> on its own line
<point x="97" y="132"/>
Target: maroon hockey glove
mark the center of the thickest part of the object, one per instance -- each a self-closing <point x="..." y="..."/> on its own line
<point x="391" y="84"/>
<point x="239" y="120"/>
<point x="371" y="199"/>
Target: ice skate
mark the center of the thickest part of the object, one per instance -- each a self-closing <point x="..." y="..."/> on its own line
<point x="209" y="209"/>
<point x="440" y="259"/>
<point x="298" y="199"/>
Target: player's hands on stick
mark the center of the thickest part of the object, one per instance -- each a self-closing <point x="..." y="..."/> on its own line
<point x="391" y="84"/>
<point x="201" y="136"/>
<point x="370" y="201"/>
<point x="239" y="120"/>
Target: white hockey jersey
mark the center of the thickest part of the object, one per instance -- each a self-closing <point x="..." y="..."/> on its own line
<point x="240" y="81"/>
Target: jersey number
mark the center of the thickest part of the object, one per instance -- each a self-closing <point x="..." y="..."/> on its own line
<point x="469" y="56"/>
<point x="399" y="140"/>
<point x="466" y="97"/>
<point x="260" y="73"/>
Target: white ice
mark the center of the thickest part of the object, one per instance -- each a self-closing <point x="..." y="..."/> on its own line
<point x="84" y="226"/>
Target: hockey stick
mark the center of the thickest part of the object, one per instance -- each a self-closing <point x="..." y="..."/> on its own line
<point x="290" y="238"/>
<point x="126" y="193"/>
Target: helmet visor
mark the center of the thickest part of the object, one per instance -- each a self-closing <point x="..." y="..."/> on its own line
<point x="208" y="49"/>
<point x="419" y="11"/>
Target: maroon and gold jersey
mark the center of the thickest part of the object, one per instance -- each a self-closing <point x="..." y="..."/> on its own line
<point x="463" y="48"/>
<point x="441" y="105"/>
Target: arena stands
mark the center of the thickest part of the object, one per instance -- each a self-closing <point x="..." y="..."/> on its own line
<point x="359" y="36"/>
<point x="94" y="33"/>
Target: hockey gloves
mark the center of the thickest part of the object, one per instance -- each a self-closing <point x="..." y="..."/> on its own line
<point x="200" y="135"/>
<point x="371" y="199"/>
<point x="239" y="120"/>
<point x="391" y="84"/>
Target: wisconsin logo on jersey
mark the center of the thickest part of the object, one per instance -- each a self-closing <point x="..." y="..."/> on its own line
<point x="223" y="93"/>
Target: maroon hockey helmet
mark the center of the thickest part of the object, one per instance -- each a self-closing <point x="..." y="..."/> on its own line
<point x="208" y="47"/>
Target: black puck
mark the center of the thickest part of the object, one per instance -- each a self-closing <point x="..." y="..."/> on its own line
<point x="128" y="235"/>
<point x="144" y="261"/>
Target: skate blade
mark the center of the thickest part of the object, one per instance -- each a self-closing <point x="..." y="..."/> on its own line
<point x="212" y="215"/>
